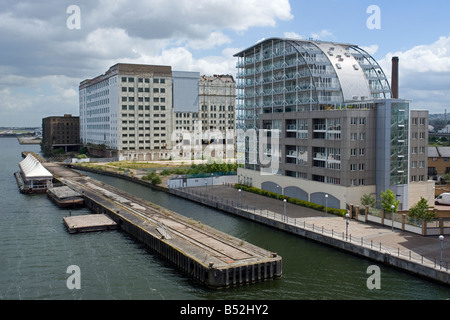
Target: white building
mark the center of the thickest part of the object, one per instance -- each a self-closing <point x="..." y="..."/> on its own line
<point x="136" y="112"/>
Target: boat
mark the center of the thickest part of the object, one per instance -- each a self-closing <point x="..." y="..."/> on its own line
<point x="65" y="197"/>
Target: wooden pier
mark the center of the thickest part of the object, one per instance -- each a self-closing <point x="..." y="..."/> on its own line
<point x="89" y="223"/>
<point x="206" y="255"/>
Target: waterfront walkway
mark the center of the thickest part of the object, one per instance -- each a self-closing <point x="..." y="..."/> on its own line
<point x="418" y="249"/>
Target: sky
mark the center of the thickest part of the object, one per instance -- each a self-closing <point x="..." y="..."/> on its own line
<point x="48" y="47"/>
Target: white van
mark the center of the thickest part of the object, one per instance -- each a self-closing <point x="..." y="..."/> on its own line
<point x="443" y="198"/>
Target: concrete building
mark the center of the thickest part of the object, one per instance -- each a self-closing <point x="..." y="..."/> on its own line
<point x="209" y="131"/>
<point x="61" y="132"/>
<point x="139" y="112"/>
<point x="318" y="121"/>
<point x="128" y="111"/>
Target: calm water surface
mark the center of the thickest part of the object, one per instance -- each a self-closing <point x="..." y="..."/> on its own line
<point x="36" y="250"/>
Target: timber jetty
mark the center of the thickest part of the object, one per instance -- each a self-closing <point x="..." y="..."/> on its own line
<point x="208" y="256"/>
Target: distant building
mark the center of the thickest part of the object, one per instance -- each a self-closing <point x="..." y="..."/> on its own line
<point x="438" y="162"/>
<point x="446" y="129"/>
<point x="61" y="132"/>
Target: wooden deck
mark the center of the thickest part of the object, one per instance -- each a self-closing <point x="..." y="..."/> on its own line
<point x="89" y="223"/>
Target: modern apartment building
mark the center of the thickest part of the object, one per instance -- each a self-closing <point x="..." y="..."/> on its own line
<point x="318" y="120"/>
<point x="138" y="112"/>
<point x="61" y="132"/>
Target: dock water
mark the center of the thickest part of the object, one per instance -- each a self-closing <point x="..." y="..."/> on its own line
<point x="206" y="255"/>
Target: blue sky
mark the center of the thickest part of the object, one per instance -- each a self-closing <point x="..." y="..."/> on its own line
<point x="42" y="60"/>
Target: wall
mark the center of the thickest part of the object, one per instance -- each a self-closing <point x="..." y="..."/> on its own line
<point x="351" y="195"/>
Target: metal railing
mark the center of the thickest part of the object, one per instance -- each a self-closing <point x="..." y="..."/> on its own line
<point x="232" y="206"/>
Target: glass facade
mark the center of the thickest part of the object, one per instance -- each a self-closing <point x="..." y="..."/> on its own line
<point x="399" y="143"/>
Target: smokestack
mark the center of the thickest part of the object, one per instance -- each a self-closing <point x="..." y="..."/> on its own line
<point x="394" y="81"/>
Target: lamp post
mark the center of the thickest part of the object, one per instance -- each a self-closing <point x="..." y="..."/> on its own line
<point x="326" y="204"/>
<point x="441" y="240"/>
<point x="285" y="216"/>
<point x="392" y="217"/>
<point x="346" y="225"/>
<point x="240" y="197"/>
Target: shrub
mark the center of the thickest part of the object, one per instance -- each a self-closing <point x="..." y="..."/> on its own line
<point x="152" y="177"/>
<point x="303" y="203"/>
<point x="420" y="211"/>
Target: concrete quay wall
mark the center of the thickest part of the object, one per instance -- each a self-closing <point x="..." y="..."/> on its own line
<point x="375" y="254"/>
<point x="276" y="221"/>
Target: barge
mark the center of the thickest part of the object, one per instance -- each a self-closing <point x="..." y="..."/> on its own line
<point x="65" y="197"/>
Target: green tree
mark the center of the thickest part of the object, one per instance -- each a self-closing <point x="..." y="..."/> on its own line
<point x="420" y="211"/>
<point x="368" y="201"/>
<point x="387" y="200"/>
<point x="153" y="177"/>
<point x="446" y="178"/>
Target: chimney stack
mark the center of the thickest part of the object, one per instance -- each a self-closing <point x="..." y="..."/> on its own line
<point x="394" y="76"/>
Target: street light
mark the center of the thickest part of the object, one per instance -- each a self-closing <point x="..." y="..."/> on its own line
<point x="392" y="217"/>
<point x="240" y="197"/>
<point x="346" y="225"/>
<point x="441" y="238"/>
<point x="326" y="204"/>
<point x="284" y="201"/>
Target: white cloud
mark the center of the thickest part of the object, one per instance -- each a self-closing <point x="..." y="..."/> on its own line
<point x="371" y="49"/>
<point x="322" y="35"/>
<point x="292" y="35"/>
<point x="424" y="74"/>
<point x="215" y="39"/>
<point x="45" y="61"/>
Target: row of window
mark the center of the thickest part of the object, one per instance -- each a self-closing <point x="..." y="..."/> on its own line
<point x="146" y="90"/>
<point x="141" y="107"/>
<point x="142" y="99"/>
<point x="214" y="108"/>
<point x="324" y="179"/>
<point x="143" y="80"/>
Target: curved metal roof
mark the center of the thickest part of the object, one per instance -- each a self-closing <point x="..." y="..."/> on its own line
<point x="359" y="75"/>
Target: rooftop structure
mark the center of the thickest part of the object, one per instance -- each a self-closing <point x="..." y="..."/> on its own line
<point x="33" y="177"/>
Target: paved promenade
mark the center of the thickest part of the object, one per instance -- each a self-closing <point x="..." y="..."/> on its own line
<point x="397" y="242"/>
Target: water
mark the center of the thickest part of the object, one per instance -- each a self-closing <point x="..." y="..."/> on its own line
<point x="36" y="250"/>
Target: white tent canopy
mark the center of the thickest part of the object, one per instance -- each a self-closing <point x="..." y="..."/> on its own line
<point x="32" y="169"/>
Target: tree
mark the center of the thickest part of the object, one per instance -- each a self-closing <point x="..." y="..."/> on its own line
<point x="368" y="201"/>
<point x="387" y="200"/>
<point x="420" y="211"/>
<point x="446" y="178"/>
